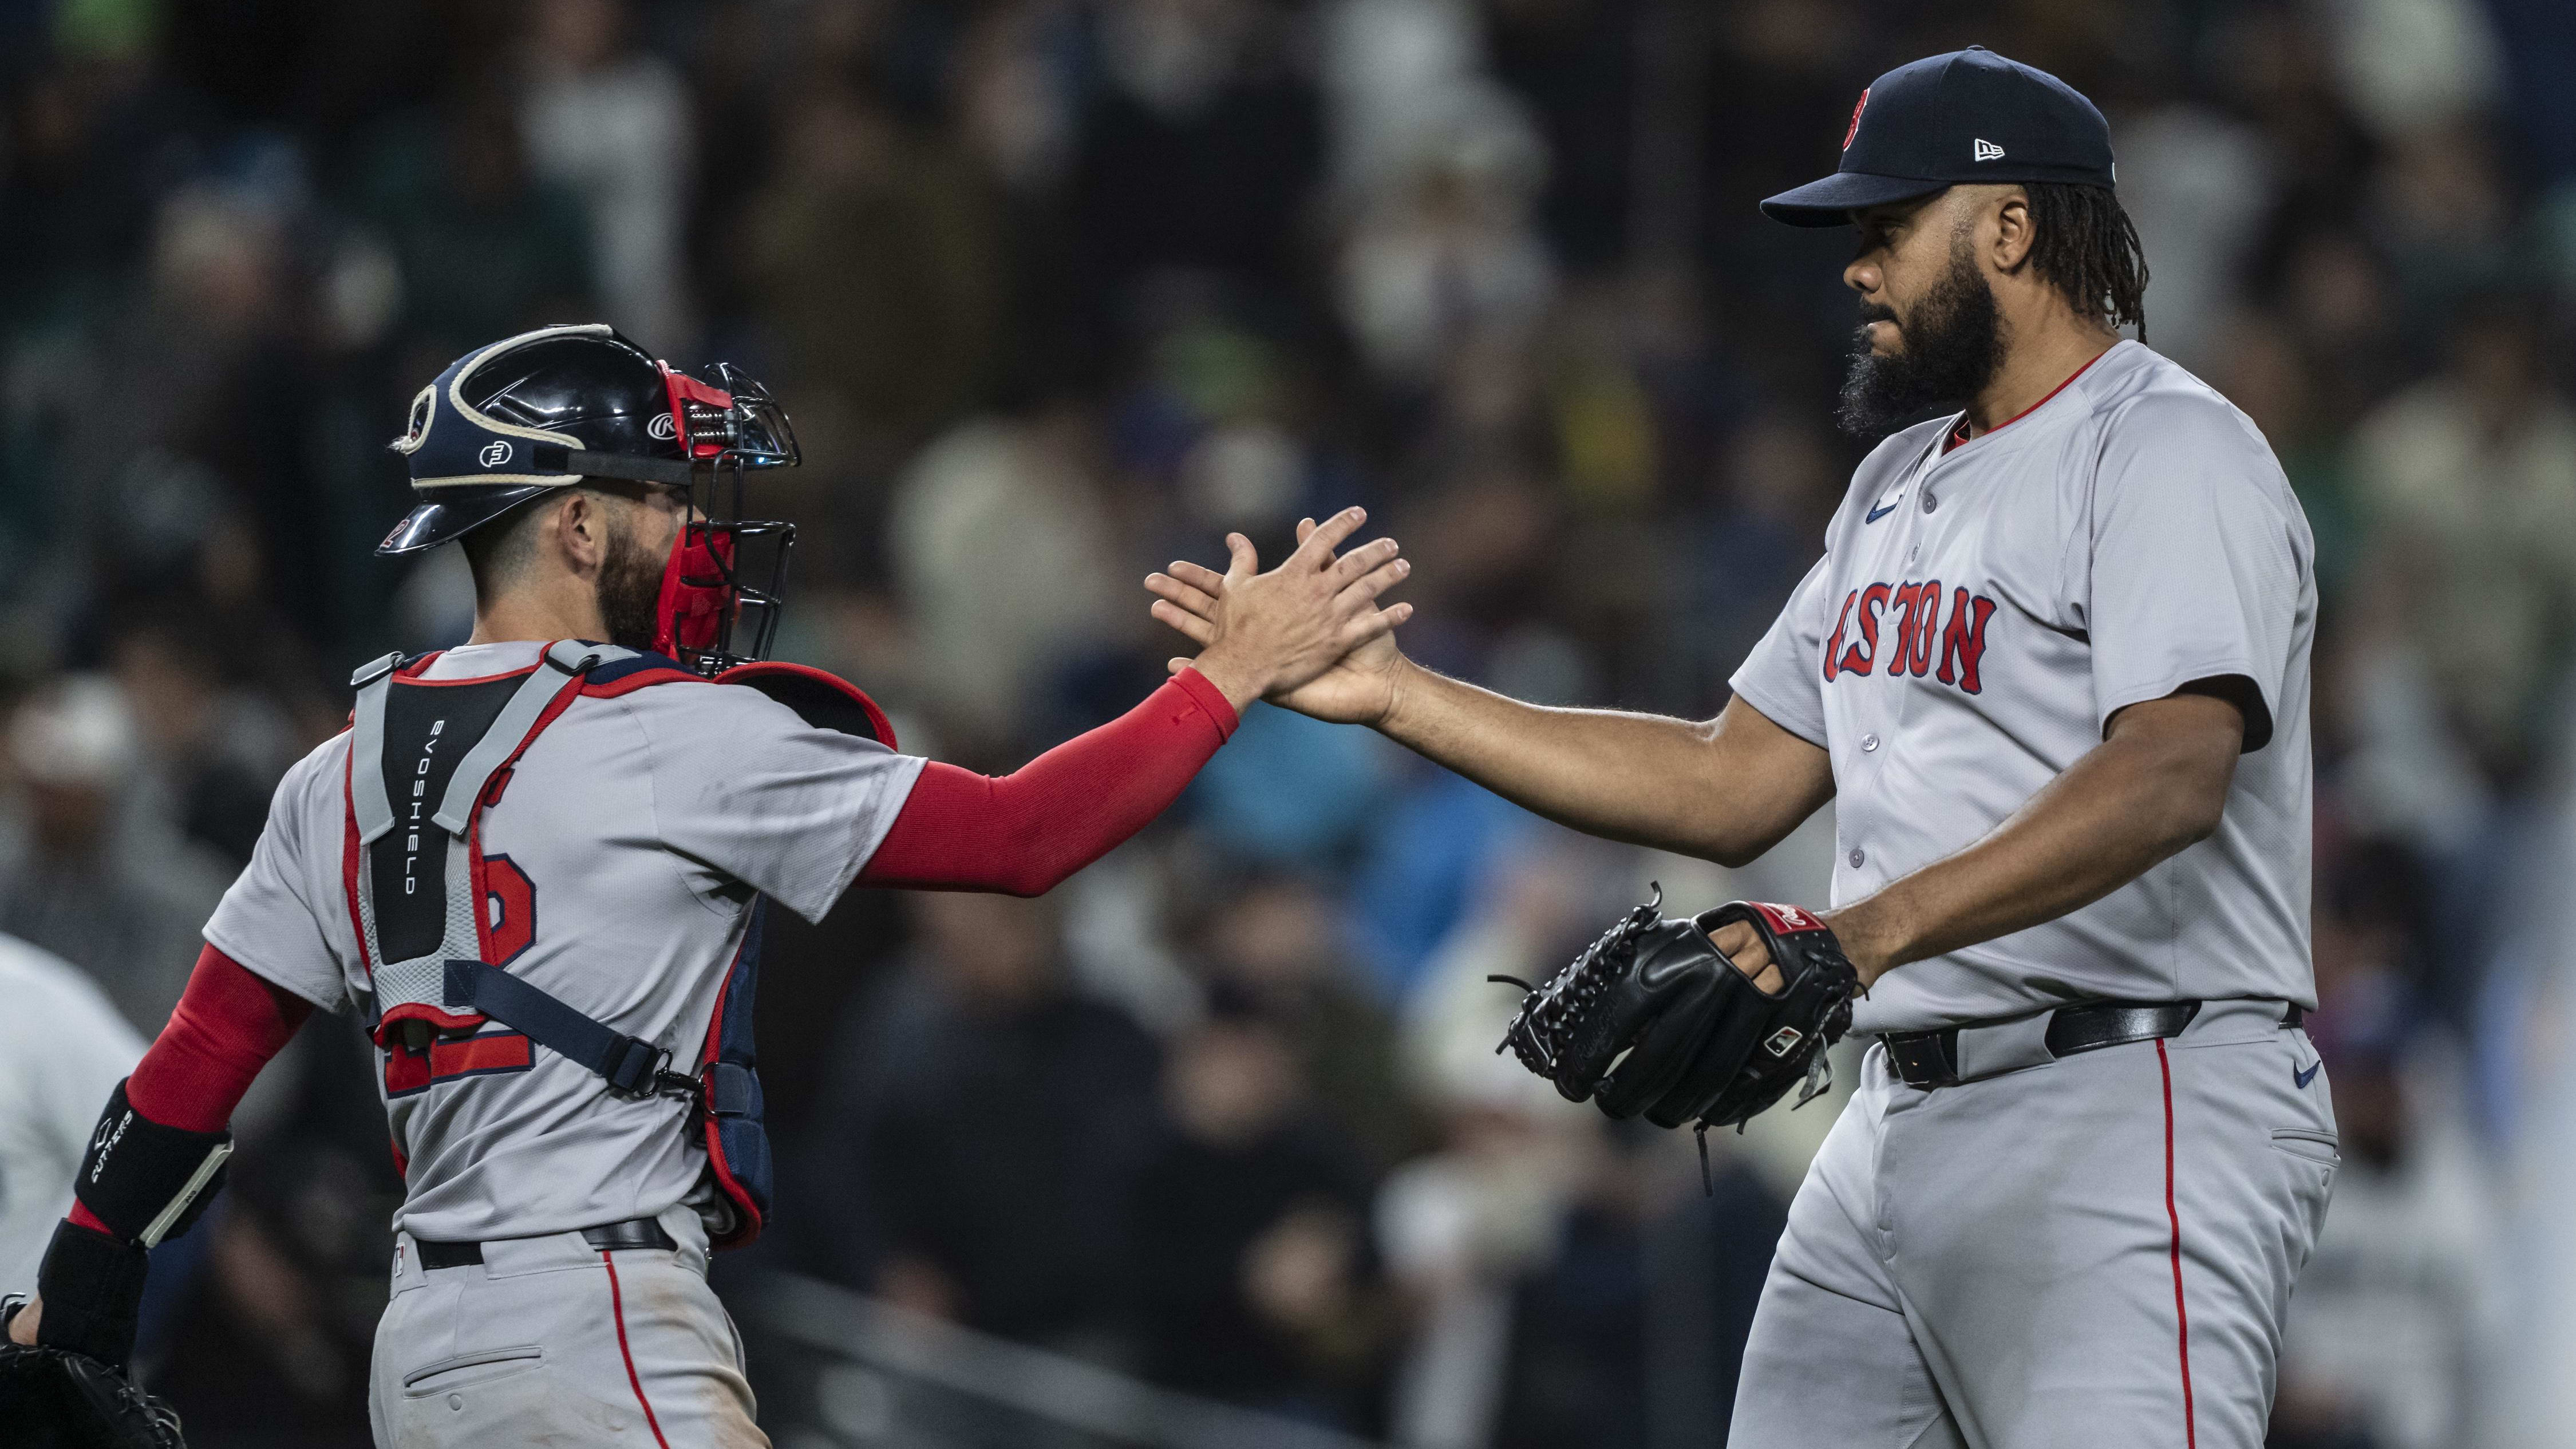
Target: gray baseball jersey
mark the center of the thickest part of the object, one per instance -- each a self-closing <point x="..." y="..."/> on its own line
<point x="1981" y="612"/>
<point x="643" y="823"/>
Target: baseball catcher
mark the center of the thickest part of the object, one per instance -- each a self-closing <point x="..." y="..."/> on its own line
<point x="536" y="866"/>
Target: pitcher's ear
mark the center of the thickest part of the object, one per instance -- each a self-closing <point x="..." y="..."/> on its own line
<point x="2015" y="231"/>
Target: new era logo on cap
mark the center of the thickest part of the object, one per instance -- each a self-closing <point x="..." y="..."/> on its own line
<point x="1988" y="150"/>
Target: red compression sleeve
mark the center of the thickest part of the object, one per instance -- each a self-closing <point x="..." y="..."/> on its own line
<point x="225" y="1028"/>
<point x="223" y="1031"/>
<point x="1024" y="833"/>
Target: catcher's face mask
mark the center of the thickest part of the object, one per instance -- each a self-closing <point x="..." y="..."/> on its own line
<point x="725" y="582"/>
<point x="548" y="408"/>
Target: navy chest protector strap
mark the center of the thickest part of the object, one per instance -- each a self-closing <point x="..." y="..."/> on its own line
<point x="422" y="896"/>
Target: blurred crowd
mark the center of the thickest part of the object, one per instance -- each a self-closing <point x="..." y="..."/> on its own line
<point x="1059" y="290"/>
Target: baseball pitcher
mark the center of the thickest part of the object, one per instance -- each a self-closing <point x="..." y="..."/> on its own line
<point x="2053" y="672"/>
<point x="536" y="866"/>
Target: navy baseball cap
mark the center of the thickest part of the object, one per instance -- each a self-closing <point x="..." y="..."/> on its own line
<point x="1969" y="116"/>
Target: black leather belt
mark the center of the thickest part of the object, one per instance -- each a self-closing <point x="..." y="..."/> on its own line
<point x="1929" y="1059"/>
<point x="607" y="1238"/>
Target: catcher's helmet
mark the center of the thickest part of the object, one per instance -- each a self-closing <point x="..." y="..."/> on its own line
<point x="546" y="409"/>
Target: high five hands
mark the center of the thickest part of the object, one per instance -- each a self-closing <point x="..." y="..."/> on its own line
<point x="1308" y="634"/>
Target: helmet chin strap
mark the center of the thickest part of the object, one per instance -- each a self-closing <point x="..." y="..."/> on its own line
<point x="689" y="617"/>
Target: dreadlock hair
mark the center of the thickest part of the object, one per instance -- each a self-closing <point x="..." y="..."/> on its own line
<point x="2088" y="249"/>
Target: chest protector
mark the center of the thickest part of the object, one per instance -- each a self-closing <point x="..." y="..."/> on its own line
<point x="439" y="921"/>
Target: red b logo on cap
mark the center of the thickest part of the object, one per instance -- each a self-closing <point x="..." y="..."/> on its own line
<point x="1857" y="107"/>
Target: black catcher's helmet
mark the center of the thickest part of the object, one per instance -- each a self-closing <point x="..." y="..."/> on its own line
<point x="546" y="409"/>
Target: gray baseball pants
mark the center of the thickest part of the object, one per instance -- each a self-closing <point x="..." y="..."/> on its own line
<point x="549" y="1341"/>
<point x="2093" y="1250"/>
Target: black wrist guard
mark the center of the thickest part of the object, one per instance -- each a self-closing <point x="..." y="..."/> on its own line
<point x="92" y="1288"/>
<point x="148" y="1182"/>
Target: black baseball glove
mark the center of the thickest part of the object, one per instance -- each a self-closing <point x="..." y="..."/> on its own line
<point x="56" y="1398"/>
<point x="1702" y="1043"/>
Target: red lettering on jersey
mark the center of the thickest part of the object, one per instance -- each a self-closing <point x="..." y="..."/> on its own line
<point x="1909" y="599"/>
<point x="1834" y="645"/>
<point x="509" y="908"/>
<point x="1927" y="623"/>
<point x="1963" y="642"/>
<point x="1912" y="612"/>
<point x="1858" y="658"/>
<point x="1901" y="601"/>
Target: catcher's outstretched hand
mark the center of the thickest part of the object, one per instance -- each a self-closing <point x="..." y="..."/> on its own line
<point x="1268" y="634"/>
<point x="1358" y="687"/>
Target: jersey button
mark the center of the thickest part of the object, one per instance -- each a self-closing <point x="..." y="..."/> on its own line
<point x="1869" y="743"/>
<point x="1930" y="502"/>
<point x="1856" y="857"/>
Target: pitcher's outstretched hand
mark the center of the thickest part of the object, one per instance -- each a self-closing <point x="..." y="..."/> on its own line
<point x="1356" y="685"/>
<point x="1277" y="635"/>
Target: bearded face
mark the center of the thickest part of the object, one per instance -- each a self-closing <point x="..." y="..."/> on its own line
<point x="630" y="584"/>
<point x="1950" y="342"/>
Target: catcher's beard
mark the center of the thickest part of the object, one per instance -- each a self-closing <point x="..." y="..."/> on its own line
<point x="630" y="588"/>
<point x="1953" y="344"/>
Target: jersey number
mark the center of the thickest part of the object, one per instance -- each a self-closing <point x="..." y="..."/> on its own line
<point x="509" y="908"/>
<point x="510" y="927"/>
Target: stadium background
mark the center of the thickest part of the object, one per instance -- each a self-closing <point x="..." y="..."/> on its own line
<point x="1057" y="291"/>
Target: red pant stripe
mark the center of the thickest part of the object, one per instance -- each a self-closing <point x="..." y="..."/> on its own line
<point x="2182" y="1322"/>
<point x="617" y="1307"/>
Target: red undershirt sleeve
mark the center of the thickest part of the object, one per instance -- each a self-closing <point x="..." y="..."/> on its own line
<point x="1022" y="834"/>
<point x="226" y="1027"/>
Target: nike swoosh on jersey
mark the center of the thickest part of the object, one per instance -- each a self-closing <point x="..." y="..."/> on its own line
<point x="2310" y="1075"/>
<point x="1881" y="511"/>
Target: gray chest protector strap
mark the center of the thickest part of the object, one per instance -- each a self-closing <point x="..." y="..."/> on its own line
<point x="423" y="758"/>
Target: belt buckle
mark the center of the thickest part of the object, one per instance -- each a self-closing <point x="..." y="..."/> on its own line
<point x="1923" y="1059"/>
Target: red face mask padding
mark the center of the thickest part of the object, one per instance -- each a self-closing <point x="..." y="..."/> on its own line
<point x="685" y="390"/>
<point x="694" y="593"/>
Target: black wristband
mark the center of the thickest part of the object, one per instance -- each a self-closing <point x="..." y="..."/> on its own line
<point x="91" y="1286"/>
<point x="148" y="1182"/>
